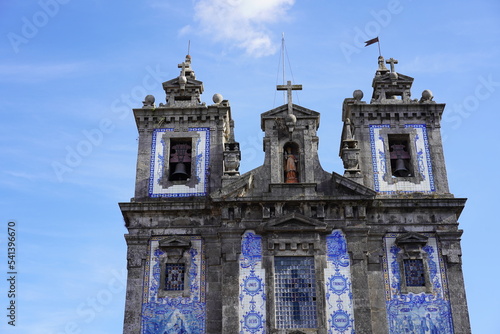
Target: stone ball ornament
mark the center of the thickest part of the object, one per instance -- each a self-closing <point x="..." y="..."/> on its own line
<point x="217" y="98"/>
<point x="291" y="119"/>
<point x="358" y="94"/>
<point x="149" y="101"/>
<point x="427" y="95"/>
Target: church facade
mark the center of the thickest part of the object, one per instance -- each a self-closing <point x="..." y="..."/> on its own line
<point x="288" y="247"/>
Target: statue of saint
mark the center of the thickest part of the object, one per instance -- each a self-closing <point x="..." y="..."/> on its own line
<point x="290" y="167"/>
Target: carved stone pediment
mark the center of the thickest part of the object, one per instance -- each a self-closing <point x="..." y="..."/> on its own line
<point x="174" y="242"/>
<point x="280" y="114"/>
<point x="295" y="222"/>
<point x="175" y="82"/>
<point x="411" y="238"/>
<point x="282" y="110"/>
<point x="411" y="243"/>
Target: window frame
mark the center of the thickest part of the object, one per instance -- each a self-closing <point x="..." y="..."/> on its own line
<point x="175" y="251"/>
<point x="279" y="304"/>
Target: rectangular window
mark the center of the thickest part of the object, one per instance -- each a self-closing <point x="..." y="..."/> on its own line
<point x="174" y="276"/>
<point x="414" y="272"/>
<point x="295" y="292"/>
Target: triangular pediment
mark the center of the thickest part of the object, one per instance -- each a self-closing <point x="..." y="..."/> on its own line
<point x="400" y="78"/>
<point x="281" y="113"/>
<point x="175" y="82"/>
<point x="174" y="242"/>
<point x="282" y="110"/>
<point x="295" y="222"/>
<point x="411" y="238"/>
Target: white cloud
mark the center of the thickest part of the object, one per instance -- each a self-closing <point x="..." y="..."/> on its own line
<point x="242" y="22"/>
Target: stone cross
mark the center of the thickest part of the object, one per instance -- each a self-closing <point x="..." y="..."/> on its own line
<point x="289" y="87"/>
<point x="391" y="61"/>
<point x="182" y="66"/>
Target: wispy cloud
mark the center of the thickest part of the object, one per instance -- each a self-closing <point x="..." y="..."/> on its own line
<point x="242" y="23"/>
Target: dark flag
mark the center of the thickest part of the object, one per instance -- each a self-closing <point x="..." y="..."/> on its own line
<point x="371" y="41"/>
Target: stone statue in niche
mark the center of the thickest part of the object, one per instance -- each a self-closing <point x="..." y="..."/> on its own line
<point x="291" y="172"/>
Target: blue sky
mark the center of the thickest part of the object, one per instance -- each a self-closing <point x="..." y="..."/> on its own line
<point x="70" y="72"/>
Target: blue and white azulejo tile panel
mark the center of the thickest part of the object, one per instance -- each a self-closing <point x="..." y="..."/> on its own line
<point x="252" y="296"/>
<point x="383" y="179"/>
<point x="339" y="307"/>
<point x="422" y="313"/>
<point x="174" y="314"/>
<point x="159" y="165"/>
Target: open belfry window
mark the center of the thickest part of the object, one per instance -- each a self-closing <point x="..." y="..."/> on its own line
<point x="400" y="156"/>
<point x="179" y="162"/>
<point x="295" y="292"/>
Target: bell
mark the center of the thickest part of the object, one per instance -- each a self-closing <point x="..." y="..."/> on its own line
<point x="400" y="170"/>
<point x="179" y="172"/>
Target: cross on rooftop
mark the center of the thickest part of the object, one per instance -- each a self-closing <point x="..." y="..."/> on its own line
<point x="182" y="66"/>
<point x="185" y="65"/>
<point x="289" y="87"/>
<point x="391" y="61"/>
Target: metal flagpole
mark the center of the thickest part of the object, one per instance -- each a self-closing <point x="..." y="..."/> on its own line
<point x="283" y="60"/>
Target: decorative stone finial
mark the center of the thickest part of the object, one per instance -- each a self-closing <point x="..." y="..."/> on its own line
<point x="149" y="101"/>
<point x="217" y="98"/>
<point x="232" y="157"/>
<point x="348" y="131"/>
<point x="290" y="121"/>
<point x="357" y="94"/>
<point x="381" y="66"/>
<point x="426" y="96"/>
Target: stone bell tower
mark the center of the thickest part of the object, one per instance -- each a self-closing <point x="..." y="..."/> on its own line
<point x="185" y="146"/>
<point x="392" y="144"/>
<point x="186" y="150"/>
